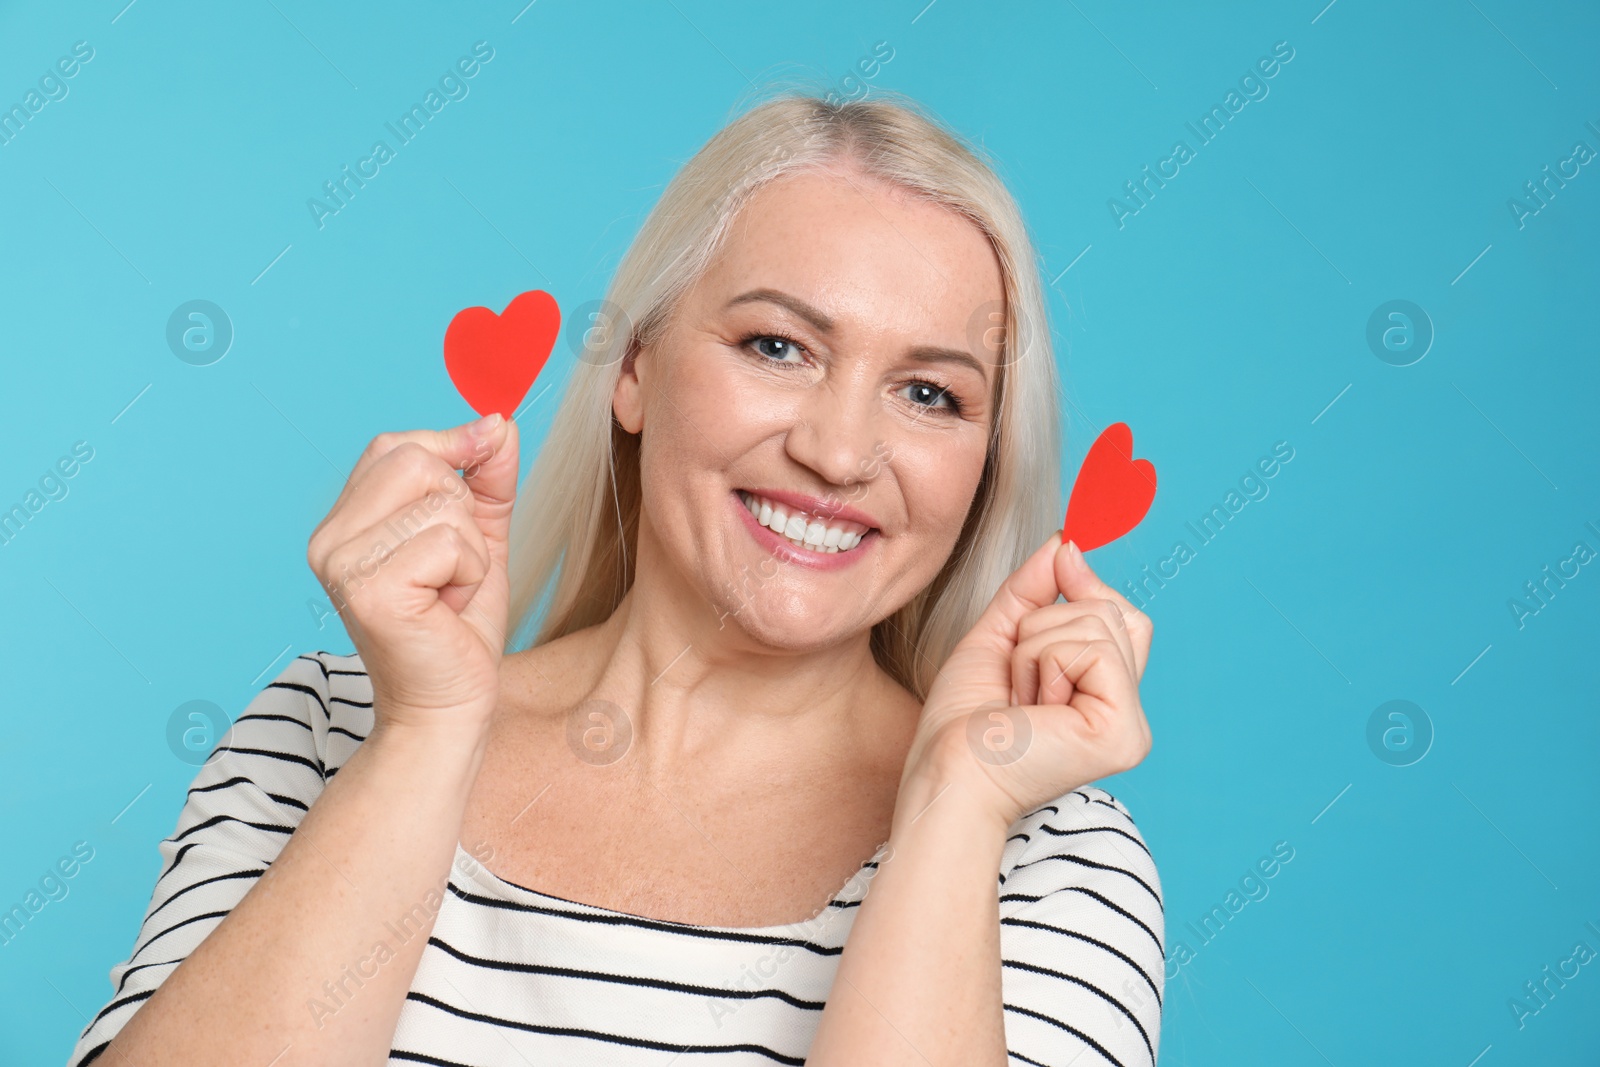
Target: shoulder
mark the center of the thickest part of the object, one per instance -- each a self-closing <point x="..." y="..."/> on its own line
<point x="322" y="697"/>
<point x="1085" y="841"/>
<point x="1082" y="932"/>
<point x="338" y="681"/>
<point x="316" y="675"/>
<point x="1084" y="829"/>
<point x="341" y="694"/>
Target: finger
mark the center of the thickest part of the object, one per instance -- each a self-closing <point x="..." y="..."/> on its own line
<point x="1029" y="588"/>
<point x="491" y="474"/>
<point x="410" y="465"/>
<point x="1100" y="699"/>
<point x="400" y="479"/>
<point x="1070" y="670"/>
<point x="1025" y="661"/>
<point x="981" y="660"/>
<point x="1037" y="622"/>
<point x="487" y="453"/>
<point x="360" y="560"/>
<point x="415" y="574"/>
<point x="1078" y="581"/>
<point x="451" y="444"/>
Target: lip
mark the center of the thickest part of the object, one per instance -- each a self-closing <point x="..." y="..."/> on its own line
<point x="815" y="506"/>
<point x="789" y="553"/>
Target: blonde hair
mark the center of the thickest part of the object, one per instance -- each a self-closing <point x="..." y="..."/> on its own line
<point x="576" y="519"/>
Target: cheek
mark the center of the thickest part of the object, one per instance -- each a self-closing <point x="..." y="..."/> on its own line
<point x="938" y="481"/>
<point x="716" y="409"/>
<point x="699" y="416"/>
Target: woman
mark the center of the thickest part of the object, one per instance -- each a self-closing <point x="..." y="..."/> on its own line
<point x="790" y="536"/>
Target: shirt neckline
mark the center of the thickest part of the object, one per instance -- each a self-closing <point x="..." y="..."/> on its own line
<point x="468" y="866"/>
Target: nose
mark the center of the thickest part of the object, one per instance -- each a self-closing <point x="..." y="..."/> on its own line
<point x="836" y="433"/>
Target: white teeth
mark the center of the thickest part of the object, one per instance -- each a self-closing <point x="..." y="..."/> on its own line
<point x="801" y="529"/>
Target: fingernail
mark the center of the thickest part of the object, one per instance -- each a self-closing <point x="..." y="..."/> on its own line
<point x="1074" y="553"/>
<point x="486" y="425"/>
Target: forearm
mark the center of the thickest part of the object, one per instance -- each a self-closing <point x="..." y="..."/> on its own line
<point x="376" y="843"/>
<point x="919" y="979"/>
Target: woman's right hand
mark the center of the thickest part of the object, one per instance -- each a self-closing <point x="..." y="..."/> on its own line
<point x="413" y="556"/>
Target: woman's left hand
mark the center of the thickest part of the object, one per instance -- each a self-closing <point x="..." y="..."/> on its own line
<point x="1038" y="698"/>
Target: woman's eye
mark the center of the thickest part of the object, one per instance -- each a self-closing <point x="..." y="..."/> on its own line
<point x="930" y="395"/>
<point x="779" y="350"/>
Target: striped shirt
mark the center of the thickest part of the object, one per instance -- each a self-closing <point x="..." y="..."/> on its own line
<point x="511" y="976"/>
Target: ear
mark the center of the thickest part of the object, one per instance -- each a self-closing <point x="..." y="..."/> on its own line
<point x="627" y="400"/>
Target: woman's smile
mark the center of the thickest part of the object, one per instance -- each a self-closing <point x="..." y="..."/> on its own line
<point x="814" y="536"/>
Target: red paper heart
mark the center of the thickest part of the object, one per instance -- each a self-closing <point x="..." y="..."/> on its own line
<point x="494" y="359"/>
<point x="1113" y="491"/>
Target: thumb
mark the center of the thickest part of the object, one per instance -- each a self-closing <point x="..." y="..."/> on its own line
<point x="1031" y="586"/>
<point x="1078" y="581"/>
<point x="487" y="457"/>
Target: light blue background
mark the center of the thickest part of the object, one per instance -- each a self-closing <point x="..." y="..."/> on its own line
<point x="1227" y="315"/>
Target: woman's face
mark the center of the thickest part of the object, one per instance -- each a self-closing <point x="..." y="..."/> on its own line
<point x="830" y="376"/>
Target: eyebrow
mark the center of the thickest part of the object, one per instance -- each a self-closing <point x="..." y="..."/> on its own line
<point x="824" y="324"/>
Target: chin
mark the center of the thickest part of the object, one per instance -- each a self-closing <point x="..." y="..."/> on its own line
<point x="797" y="633"/>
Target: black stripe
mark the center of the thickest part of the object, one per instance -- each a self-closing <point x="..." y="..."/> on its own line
<point x="1080" y="861"/>
<point x="176" y="926"/>
<point x="204" y="881"/>
<point x="1085" y="1038"/>
<point x="1123" y="956"/>
<point x="316" y="658"/>
<point x="115" y="1004"/>
<point x="352" y="703"/>
<point x="140" y="967"/>
<point x="271" y="716"/>
<point x="285" y="757"/>
<point x="1096" y="990"/>
<point x="1113" y="804"/>
<point x="238" y="778"/>
<point x="218" y="819"/>
<point x="347" y="733"/>
<point x="300" y="687"/>
<point x="235" y="780"/>
<point x="1025" y="1059"/>
<point x="93" y="1054"/>
<point x="595" y="1035"/>
<point x="417" y="1057"/>
<point x="623" y="979"/>
<point x="1118" y="908"/>
<point x="1047" y="828"/>
<point x="646" y="924"/>
<point x="182" y="852"/>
